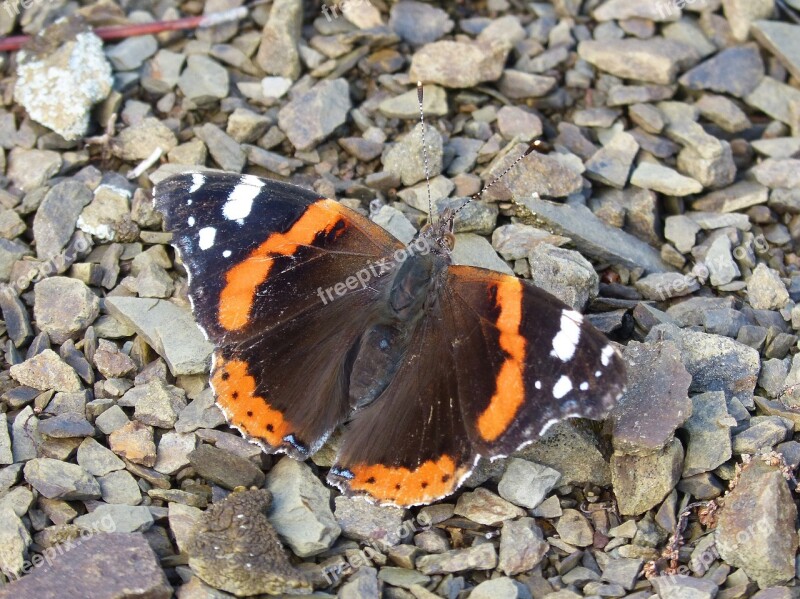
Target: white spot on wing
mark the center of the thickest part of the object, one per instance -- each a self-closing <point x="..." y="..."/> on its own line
<point x="538" y="384"/>
<point x="240" y="202"/>
<point x="562" y="387"/>
<point x="566" y="341"/>
<point x="226" y="254"/>
<point x="207" y="235"/>
<point x="198" y="181"/>
<point x="584" y="386"/>
<point x="605" y="355"/>
<point x="190" y="221"/>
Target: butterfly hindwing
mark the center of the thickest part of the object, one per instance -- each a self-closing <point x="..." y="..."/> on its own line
<point x="410" y="446"/>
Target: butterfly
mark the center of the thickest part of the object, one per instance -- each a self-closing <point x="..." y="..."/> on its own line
<point x="320" y="318"/>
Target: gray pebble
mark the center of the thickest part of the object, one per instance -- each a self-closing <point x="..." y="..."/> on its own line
<point x="225" y="469"/>
<point x="65" y="426"/>
<point x="735" y="71"/>
<point x="225" y="151"/>
<point x="765" y="289"/>
<point x="362" y="521"/>
<point x="131" y="53"/>
<point x="642" y="482"/>
<point x="767" y="555"/>
<point x="418" y="23"/>
<point x="301" y="511"/>
<point x="565" y="274"/>
<point x="477" y="557"/>
<point x="14" y="542"/>
<point x="203" y="81"/>
<point x="119" y="487"/>
<point x="278" y="52"/>
<point x="311" y="116"/>
<point x="64" y="307"/>
<point x="405" y="158"/>
<point x="46" y="371"/>
<point x="484" y="507"/>
<point x="96" y="459"/>
<point x="116" y="518"/>
<point x="522" y="546"/>
<point x="168" y="329"/>
<point x="60" y="480"/>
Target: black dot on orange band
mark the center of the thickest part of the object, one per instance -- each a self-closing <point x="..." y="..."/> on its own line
<point x="249" y="414"/>
<point x="225" y="376"/>
<point x="445" y="478"/>
<point x="371" y="480"/>
<point x="235" y="395"/>
<point x="270" y="428"/>
<point x="397" y="486"/>
<point x="423" y="484"/>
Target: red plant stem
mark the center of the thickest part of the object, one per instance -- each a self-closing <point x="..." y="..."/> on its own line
<point x="123" y="31"/>
<point x="9" y="44"/>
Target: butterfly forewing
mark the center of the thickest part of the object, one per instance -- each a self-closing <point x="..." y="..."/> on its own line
<point x="264" y="259"/>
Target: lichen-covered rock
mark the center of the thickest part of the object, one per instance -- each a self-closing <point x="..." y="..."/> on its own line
<point x="62" y="77"/>
<point x="234" y="548"/>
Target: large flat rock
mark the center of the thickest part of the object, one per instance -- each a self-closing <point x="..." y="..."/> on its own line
<point x="168" y="329"/>
<point x="592" y="236"/>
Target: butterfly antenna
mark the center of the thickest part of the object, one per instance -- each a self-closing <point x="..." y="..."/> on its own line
<point x="425" y="151"/>
<point x="519" y="158"/>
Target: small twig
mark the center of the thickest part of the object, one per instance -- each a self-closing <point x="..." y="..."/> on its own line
<point x="15" y="42"/>
<point x="788" y="389"/>
<point x="146" y="163"/>
<point x="104" y="140"/>
<point x="671" y="553"/>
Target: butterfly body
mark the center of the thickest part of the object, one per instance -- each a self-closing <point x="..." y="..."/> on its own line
<point x="409" y="297"/>
<point x="320" y="319"/>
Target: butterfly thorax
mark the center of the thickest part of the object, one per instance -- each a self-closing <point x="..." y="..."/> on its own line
<point x="438" y="236"/>
<point x="412" y="296"/>
<point x="409" y="293"/>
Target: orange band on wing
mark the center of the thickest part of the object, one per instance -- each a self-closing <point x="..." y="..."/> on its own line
<point x="509" y="392"/>
<point x="405" y="487"/>
<point x="243" y="280"/>
<point x="252" y="414"/>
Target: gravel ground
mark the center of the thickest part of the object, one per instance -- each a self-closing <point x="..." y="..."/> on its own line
<point x="665" y="202"/>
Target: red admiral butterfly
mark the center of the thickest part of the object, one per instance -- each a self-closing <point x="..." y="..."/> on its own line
<point x="321" y="318"/>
